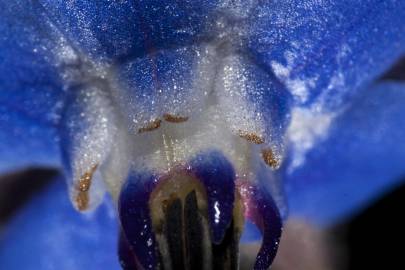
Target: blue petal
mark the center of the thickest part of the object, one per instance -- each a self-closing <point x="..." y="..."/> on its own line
<point x="117" y="29"/>
<point x="253" y="101"/>
<point x="170" y="81"/>
<point x="362" y="158"/>
<point x="30" y="87"/>
<point x="25" y="142"/>
<point x="50" y="234"/>
<point x="325" y="50"/>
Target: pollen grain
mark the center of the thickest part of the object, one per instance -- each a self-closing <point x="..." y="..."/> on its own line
<point x="174" y="118"/>
<point x="251" y="137"/>
<point x="270" y="159"/>
<point x="155" y="124"/>
<point x="82" y="187"/>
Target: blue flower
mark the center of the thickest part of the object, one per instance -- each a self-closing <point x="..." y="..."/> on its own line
<point x="261" y="105"/>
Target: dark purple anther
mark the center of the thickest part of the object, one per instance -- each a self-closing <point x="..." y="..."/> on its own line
<point x="139" y="249"/>
<point x="127" y="256"/>
<point x="136" y="220"/>
<point x="263" y="211"/>
<point x="218" y="177"/>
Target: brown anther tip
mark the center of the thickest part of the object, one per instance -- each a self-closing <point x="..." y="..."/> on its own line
<point x="270" y="159"/>
<point x="174" y="118"/>
<point x="150" y="126"/>
<point x="82" y="201"/>
<point x="83" y="186"/>
<point x="85" y="180"/>
<point x="251" y="137"/>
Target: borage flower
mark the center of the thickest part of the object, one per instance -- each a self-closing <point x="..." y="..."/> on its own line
<point x="199" y="118"/>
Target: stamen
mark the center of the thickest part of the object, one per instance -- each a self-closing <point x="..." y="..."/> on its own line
<point x="175" y="118"/>
<point x="155" y="124"/>
<point x="179" y="211"/>
<point x="192" y="217"/>
<point x="251" y="137"/>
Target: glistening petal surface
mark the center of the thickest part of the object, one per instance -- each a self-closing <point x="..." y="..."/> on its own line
<point x="31" y="91"/>
<point x="362" y="158"/>
<point x="323" y="51"/>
